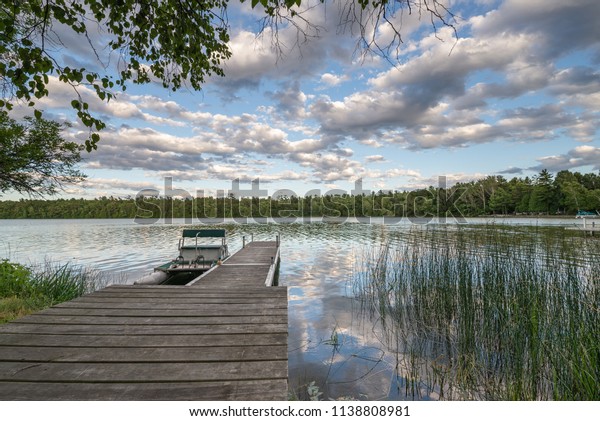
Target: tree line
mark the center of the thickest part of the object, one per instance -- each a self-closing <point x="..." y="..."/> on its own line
<point x="545" y="194"/>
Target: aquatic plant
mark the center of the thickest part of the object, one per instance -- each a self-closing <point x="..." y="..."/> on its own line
<point x="313" y="391"/>
<point x="488" y="312"/>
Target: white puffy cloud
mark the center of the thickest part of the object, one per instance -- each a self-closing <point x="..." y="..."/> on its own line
<point x="375" y="158"/>
<point x="430" y="100"/>
<point x="580" y="156"/>
<point x="441" y="180"/>
<point x="331" y="79"/>
<point x="329" y="167"/>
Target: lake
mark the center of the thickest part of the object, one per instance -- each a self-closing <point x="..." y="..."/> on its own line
<point x="333" y="341"/>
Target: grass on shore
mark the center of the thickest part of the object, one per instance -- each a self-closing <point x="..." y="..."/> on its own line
<point x="489" y="313"/>
<point x="25" y="290"/>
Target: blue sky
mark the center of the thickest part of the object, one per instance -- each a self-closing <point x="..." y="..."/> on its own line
<point x="516" y="92"/>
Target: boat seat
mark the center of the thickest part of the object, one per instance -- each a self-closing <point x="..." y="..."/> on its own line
<point x="202" y="246"/>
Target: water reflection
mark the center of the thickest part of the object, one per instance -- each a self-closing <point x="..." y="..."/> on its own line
<point x="331" y="341"/>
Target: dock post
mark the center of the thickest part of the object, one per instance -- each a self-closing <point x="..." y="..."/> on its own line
<point x="277" y="240"/>
<point x="243" y="241"/>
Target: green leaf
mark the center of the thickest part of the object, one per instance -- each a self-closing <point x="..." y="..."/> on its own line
<point x="38" y="114"/>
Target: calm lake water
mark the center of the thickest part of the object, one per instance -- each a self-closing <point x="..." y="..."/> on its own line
<point x="331" y="341"/>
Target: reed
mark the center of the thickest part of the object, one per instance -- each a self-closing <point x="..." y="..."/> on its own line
<point x="24" y="290"/>
<point x="489" y="313"/>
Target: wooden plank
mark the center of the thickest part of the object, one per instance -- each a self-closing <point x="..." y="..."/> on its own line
<point x="120" y="329"/>
<point x="234" y="309"/>
<point x="174" y="303"/>
<point x="142" y="321"/>
<point x="179" y="290"/>
<point x="209" y="291"/>
<point x="121" y="355"/>
<point x="143" y="372"/>
<point x="235" y="276"/>
<point x="247" y="390"/>
<point x="159" y="305"/>
<point x="122" y="341"/>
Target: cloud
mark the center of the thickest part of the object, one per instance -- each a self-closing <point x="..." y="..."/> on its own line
<point x="127" y="148"/>
<point x="243" y="172"/>
<point x="331" y="79"/>
<point x="116" y="187"/>
<point x="375" y="158"/>
<point x="329" y="167"/>
<point x="429" y="101"/>
<point x="290" y="103"/>
<point x="581" y="156"/>
<point x="556" y="26"/>
<point x="441" y="180"/>
<point x="285" y="52"/>
<point x="362" y="115"/>
<point x="117" y="183"/>
<point x="512" y="170"/>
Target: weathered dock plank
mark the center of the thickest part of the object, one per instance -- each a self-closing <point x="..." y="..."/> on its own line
<point x="156" y="372"/>
<point x="144" y="355"/>
<point x="149" y="321"/>
<point x="223" y="339"/>
<point x="255" y="309"/>
<point x="187" y="391"/>
<point x="160" y="330"/>
<point x="156" y="341"/>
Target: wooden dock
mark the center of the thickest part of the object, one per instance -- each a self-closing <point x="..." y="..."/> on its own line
<point x="222" y="338"/>
<point x="589" y="228"/>
<point x="254" y="265"/>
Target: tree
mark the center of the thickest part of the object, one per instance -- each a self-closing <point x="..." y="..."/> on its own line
<point x="543" y="196"/>
<point x="179" y="42"/>
<point x="34" y="158"/>
<point x="501" y="200"/>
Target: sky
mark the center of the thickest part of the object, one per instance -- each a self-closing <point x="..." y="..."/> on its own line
<point x="516" y="89"/>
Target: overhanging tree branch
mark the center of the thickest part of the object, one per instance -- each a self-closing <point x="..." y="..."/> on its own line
<point x="179" y="42"/>
<point x="34" y="158"/>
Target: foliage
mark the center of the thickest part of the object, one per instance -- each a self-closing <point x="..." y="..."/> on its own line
<point x="174" y="41"/>
<point x="314" y="394"/>
<point x="14" y="279"/>
<point x="34" y="158"/>
<point x="24" y="290"/>
<point x="569" y="192"/>
<point x="177" y="42"/>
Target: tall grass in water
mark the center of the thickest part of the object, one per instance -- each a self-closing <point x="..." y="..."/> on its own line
<point x="24" y="290"/>
<point x="489" y="313"/>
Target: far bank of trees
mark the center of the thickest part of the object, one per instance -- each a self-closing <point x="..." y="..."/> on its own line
<point x="545" y="194"/>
